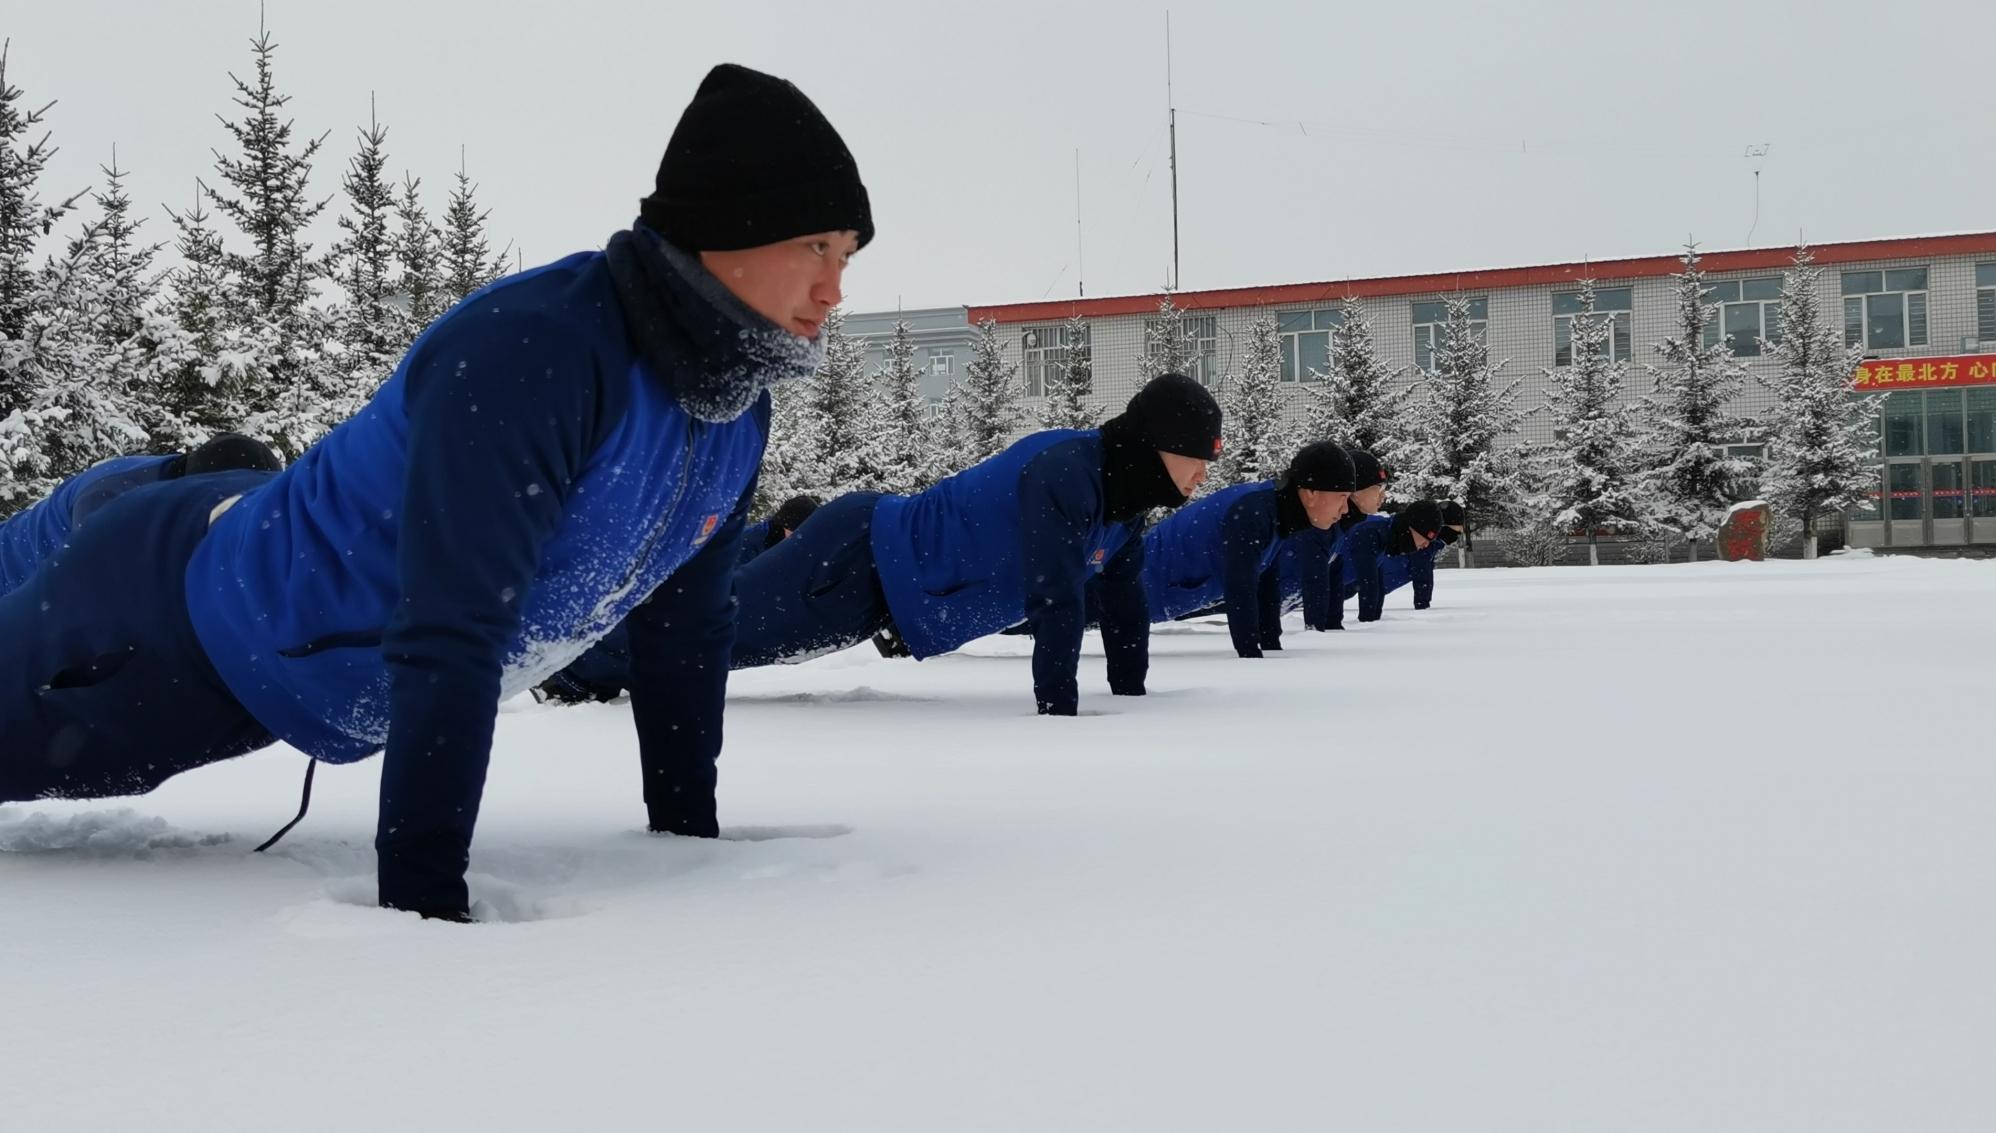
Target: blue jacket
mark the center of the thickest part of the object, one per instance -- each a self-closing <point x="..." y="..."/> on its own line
<point x="755" y="540"/>
<point x="1310" y="566"/>
<point x="1372" y="571"/>
<point x="1222" y="549"/>
<point x="545" y="458"/>
<point x="1017" y="538"/>
<point x="34" y="534"/>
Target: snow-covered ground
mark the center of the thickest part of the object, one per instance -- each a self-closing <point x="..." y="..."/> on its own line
<point x="1677" y="848"/>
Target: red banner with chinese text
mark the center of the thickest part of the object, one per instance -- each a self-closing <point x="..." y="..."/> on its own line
<point x="1884" y="374"/>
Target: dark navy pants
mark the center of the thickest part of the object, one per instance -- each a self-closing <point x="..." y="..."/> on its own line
<point x="104" y="689"/>
<point x="813" y="593"/>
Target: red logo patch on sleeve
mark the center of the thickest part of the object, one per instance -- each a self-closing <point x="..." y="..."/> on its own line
<point x="707" y="528"/>
<point x="1216" y="447"/>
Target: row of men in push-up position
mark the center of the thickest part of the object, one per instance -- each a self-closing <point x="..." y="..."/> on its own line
<point x="573" y="449"/>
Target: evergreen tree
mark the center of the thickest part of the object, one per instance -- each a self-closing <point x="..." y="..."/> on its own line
<point x="202" y="374"/>
<point x="1071" y="382"/>
<point x="294" y="399"/>
<point x="986" y="410"/>
<point x="420" y="284"/>
<point x="1166" y="350"/>
<point x="842" y="416"/>
<point x="1690" y="478"/>
<point x="1356" y="404"/>
<point x="468" y="261"/>
<point x="907" y="451"/>
<point x="369" y="325"/>
<point x="1823" y="443"/>
<point x="1257" y="447"/>
<point x="24" y="222"/>
<point x="1594" y="481"/>
<point x="1457" y="417"/>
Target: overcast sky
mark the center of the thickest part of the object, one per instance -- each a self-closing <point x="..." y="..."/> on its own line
<point x="1316" y="141"/>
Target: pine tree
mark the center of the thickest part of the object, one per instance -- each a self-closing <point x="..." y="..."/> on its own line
<point x="24" y="222"/>
<point x="468" y="262"/>
<point x="292" y="403"/>
<point x="842" y="416"/>
<point x="1166" y="350"/>
<point x="1356" y="404"/>
<point x="1594" y="480"/>
<point x="202" y="374"/>
<point x="1456" y="420"/>
<point x="1690" y="478"/>
<point x="786" y="466"/>
<point x="1823" y="442"/>
<point x="1257" y="447"/>
<point x="986" y="411"/>
<point x="1071" y="382"/>
<point x="907" y="452"/>
<point x="420" y="284"/>
<point x="369" y="325"/>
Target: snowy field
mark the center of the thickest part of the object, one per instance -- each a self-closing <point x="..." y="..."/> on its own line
<point x="1684" y="848"/>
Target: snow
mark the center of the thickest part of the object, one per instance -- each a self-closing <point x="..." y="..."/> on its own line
<point x="1745" y="505"/>
<point x="1703" y="846"/>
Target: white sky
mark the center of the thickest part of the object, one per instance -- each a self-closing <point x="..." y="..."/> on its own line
<point x="1410" y="137"/>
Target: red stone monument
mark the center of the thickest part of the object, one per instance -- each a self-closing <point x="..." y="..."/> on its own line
<point x="1744" y="534"/>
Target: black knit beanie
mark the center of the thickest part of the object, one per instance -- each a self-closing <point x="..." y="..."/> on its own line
<point x="1424" y="516"/>
<point x="753" y="162"/>
<point x="1366" y="470"/>
<point x="1320" y="466"/>
<point x="228" y="452"/>
<point x="1178" y="415"/>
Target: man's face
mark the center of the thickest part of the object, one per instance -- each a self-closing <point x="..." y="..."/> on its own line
<point x="1369" y="500"/>
<point x="1188" y="472"/>
<point x="1420" y="541"/>
<point x="1324" y="508"/>
<point x="794" y="283"/>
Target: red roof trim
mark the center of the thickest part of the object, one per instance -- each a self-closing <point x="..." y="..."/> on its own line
<point x="1916" y="247"/>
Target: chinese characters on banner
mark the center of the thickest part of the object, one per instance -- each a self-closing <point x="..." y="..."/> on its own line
<point x="1883" y="374"/>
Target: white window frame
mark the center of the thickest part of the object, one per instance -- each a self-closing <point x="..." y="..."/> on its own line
<point x="1202" y="333"/>
<point x="942" y="362"/>
<point x="1769" y="314"/>
<point x="1985" y="305"/>
<point x="1428" y="332"/>
<point x="1857" y="308"/>
<point x="1042" y="351"/>
<point x="1321" y="322"/>
<point x="1621" y="339"/>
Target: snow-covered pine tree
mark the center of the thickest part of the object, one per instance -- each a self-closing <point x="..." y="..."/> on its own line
<point x="201" y="376"/>
<point x="987" y="409"/>
<point x="1690" y="479"/>
<point x="1594" y="480"/>
<point x="786" y="466"/>
<point x="24" y="220"/>
<point x="418" y="259"/>
<point x="842" y="417"/>
<point x="468" y="260"/>
<point x="1257" y="447"/>
<point x="1072" y="382"/>
<point x="369" y="325"/>
<point x="1356" y="404"/>
<point x="1823" y="440"/>
<point x="1166" y="350"/>
<point x="271" y="207"/>
<point x="1457" y="416"/>
<point x="906" y="458"/>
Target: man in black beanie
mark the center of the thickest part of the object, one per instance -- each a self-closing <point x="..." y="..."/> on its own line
<point x="1224" y="552"/>
<point x="1323" y="607"/>
<point x="573" y="446"/>
<point x="32" y="535"/>
<point x="1013" y="539"/>
<point x="1382" y="553"/>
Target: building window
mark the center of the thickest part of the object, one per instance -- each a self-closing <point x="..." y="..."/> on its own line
<point x="1748" y="452"/>
<point x="1610" y="303"/>
<point x="1306" y="342"/>
<point x="1747" y="315"/>
<point x="1042" y="352"/>
<point x="942" y="362"/>
<point x="1885" y="310"/>
<point x="1985" y="305"/>
<point x="1201" y="333"/>
<point x="1430" y="318"/>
